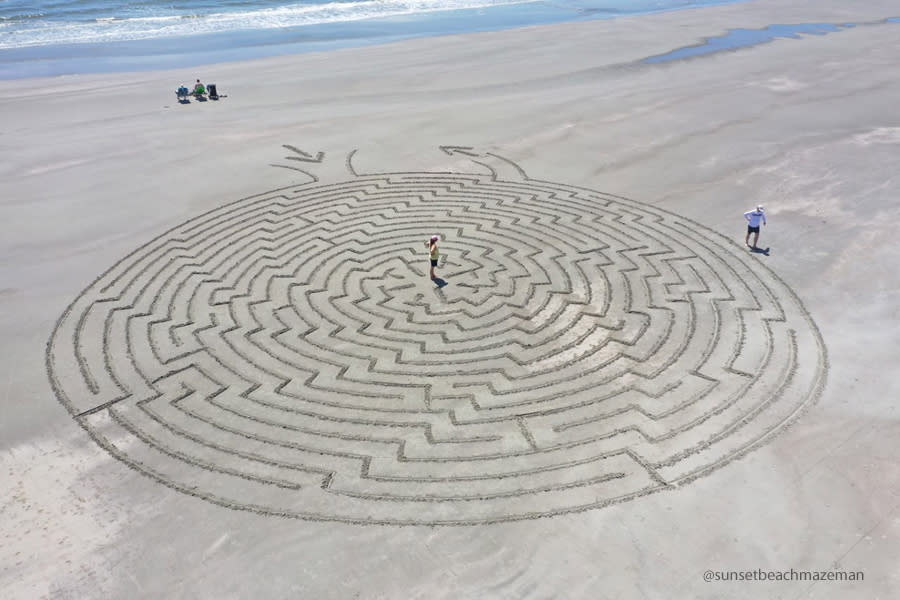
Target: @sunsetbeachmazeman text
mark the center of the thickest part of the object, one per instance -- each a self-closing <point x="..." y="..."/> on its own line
<point x="712" y="575"/>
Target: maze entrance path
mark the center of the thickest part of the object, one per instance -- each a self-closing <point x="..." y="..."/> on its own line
<point x="287" y="353"/>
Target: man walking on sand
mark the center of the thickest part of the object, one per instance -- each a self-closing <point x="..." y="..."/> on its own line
<point x="753" y="218"/>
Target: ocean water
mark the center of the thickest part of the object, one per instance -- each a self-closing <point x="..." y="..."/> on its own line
<point x="53" y="37"/>
<point x="736" y="39"/>
<point x="744" y="38"/>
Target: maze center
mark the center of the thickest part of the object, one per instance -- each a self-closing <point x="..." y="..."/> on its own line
<point x="288" y="354"/>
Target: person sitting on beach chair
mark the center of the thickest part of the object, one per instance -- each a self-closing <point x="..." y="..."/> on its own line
<point x="182" y="93"/>
<point x="199" y="90"/>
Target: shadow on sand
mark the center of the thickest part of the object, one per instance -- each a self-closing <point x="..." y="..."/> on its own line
<point x="439" y="282"/>
<point x="757" y="250"/>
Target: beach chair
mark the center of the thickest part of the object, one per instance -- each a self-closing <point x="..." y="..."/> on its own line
<point x="199" y="92"/>
<point x="183" y="94"/>
<point x="211" y="89"/>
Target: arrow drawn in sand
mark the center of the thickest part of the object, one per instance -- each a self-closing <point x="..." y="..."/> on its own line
<point x="304" y="156"/>
<point x="465" y="150"/>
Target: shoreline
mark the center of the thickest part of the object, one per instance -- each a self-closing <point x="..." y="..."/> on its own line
<point x="218" y="50"/>
<point x="206" y="49"/>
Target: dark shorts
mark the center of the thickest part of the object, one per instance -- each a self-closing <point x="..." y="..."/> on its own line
<point x="752" y="229"/>
<point x="434" y="260"/>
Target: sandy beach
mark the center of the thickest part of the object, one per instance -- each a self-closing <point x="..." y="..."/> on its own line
<point x="97" y="168"/>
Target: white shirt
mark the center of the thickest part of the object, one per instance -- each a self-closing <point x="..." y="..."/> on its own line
<point x="754" y="216"/>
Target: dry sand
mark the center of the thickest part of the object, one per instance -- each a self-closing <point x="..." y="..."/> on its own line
<point x="95" y="166"/>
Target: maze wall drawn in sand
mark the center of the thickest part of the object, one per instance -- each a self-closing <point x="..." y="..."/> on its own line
<point x="287" y="353"/>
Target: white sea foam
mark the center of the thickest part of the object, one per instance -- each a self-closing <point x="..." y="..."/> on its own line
<point x="114" y="29"/>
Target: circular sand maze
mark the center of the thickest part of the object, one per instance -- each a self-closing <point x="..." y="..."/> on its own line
<point x="288" y="354"/>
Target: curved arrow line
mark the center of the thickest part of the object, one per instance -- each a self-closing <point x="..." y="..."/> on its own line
<point x="514" y="165"/>
<point x="494" y="174"/>
<point x="350" y="163"/>
<point x="307" y="173"/>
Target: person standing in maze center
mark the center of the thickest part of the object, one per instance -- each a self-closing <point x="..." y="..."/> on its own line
<point x="433" y="253"/>
<point x="753" y="218"/>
